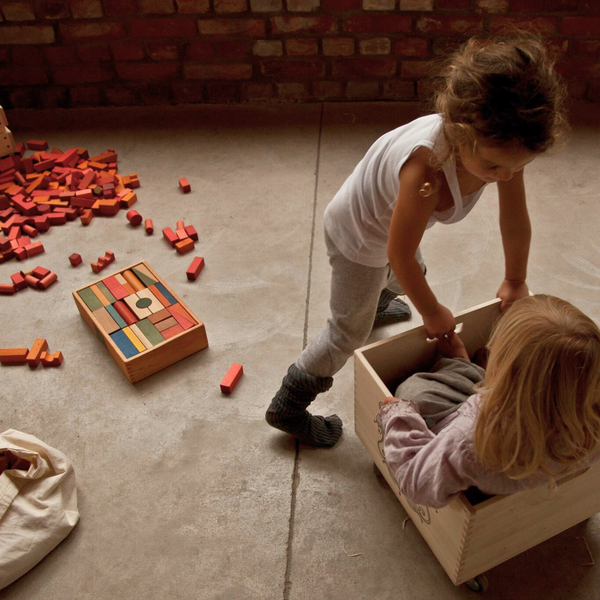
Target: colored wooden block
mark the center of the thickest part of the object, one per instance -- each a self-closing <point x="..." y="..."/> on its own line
<point x="139" y="312"/>
<point x="13" y="356"/>
<point x="126" y="314"/>
<point x="133" y="281"/>
<point x="185" y="323"/>
<point x="18" y="281"/>
<point x="40" y="272"/>
<point x="75" y="259"/>
<point x="182" y="234"/>
<point x="115" y="288"/>
<point x="164" y="292"/>
<point x="192" y="233"/>
<point x="170" y="236"/>
<point x="7" y="289"/>
<point x="143" y="275"/>
<point x="52" y="360"/>
<point x="100" y="295"/>
<point x="149" y="226"/>
<point x="37" y="145"/>
<point x="90" y="299"/>
<point x="134" y="218"/>
<point x="159" y="316"/>
<point x="47" y="281"/>
<point x="106" y="292"/>
<point x="152" y="334"/>
<point x="31" y="281"/>
<point x="166" y="324"/>
<point x="128" y="200"/>
<point x="34" y="249"/>
<point x="177" y="307"/>
<point x="158" y="352"/>
<point x="86" y="216"/>
<point x="34" y="355"/>
<point x="195" y="267"/>
<point x="106" y="321"/>
<point x="155" y="305"/>
<point x="231" y="379"/>
<point x="184" y="185"/>
<point x="133" y="339"/>
<point x="184" y="246"/>
<point x="172" y="331"/>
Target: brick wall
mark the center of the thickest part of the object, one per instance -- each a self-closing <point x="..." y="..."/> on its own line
<point x="133" y="52"/>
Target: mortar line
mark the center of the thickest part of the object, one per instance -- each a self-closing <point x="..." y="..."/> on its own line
<point x="295" y="473"/>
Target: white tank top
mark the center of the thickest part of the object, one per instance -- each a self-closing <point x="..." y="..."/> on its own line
<point x="359" y="216"/>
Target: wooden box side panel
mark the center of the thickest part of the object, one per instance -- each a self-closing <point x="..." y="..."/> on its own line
<point x="520" y="521"/>
<point x="444" y="529"/>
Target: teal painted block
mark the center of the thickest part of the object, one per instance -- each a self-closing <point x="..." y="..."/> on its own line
<point x="163" y="290"/>
<point x="116" y="316"/>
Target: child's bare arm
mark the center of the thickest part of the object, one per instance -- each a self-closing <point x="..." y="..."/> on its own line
<point x="409" y="220"/>
<point x="452" y="346"/>
<point x="515" y="228"/>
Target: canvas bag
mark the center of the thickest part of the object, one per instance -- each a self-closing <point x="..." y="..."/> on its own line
<point x="38" y="506"/>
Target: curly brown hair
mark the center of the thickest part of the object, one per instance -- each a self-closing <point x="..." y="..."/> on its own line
<point x="503" y="90"/>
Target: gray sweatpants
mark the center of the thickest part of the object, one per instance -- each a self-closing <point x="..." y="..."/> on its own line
<point x="442" y="390"/>
<point x="355" y="291"/>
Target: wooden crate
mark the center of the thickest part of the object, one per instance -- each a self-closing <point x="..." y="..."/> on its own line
<point x="159" y="356"/>
<point x="470" y="535"/>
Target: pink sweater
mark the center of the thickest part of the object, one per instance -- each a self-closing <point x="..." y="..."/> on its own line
<point x="433" y="469"/>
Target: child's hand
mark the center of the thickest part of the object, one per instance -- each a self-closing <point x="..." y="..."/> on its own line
<point x="390" y="399"/>
<point x="510" y="291"/>
<point x="439" y="323"/>
<point x="452" y="346"/>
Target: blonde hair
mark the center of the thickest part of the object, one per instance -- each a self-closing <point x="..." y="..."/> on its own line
<point x="541" y="393"/>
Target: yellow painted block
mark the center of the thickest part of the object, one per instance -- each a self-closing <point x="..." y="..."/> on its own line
<point x="134" y="339"/>
<point x="141" y="336"/>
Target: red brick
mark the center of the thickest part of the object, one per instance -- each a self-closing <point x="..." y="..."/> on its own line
<point x="493" y="6"/>
<point x="84" y="32"/>
<point x="18" y="11"/>
<point x="302" y="5"/>
<point x="128" y="51"/>
<point x="377" y="24"/>
<point x="232" y="48"/>
<point x="119" y="7"/>
<point x="230" y="6"/>
<point x="120" y="96"/>
<point x="161" y="28"/>
<point x="338" y="46"/>
<point x="162" y="51"/>
<point x="416" y="5"/>
<point x="362" y="90"/>
<point x="156" y="7"/>
<point x="12" y="76"/>
<point x="537" y="25"/>
<point x="415" y="69"/>
<point x="86" y="96"/>
<point x="199" y="50"/>
<point x="78" y="74"/>
<point x="387" y="5"/>
<point x="267" y="48"/>
<point x="453" y="4"/>
<point x="544" y="6"/>
<point x="188" y="92"/>
<point x="28" y="34"/>
<point x="27" y="55"/>
<point x="447" y="24"/>
<point x="60" y="55"/>
<point x="399" y="90"/>
<point x="52" y="9"/>
<point x="266" y="5"/>
<point x="303" y="24"/>
<point x="364" y="67"/>
<point x="218" y="71"/>
<point x="25" y="98"/>
<point x="301" y="47"/>
<point x="192" y="7"/>
<point x="283" y="70"/>
<point x="444" y="46"/>
<point x="324" y="90"/>
<point x="257" y="91"/>
<point x="221" y="93"/>
<point x="375" y="46"/>
<point x="137" y="71"/>
<point x="411" y="47"/>
<point x="341" y="4"/>
<point x="580" y="26"/>
<point x="293" y="91"/>
<point x="86" y="9"/>
<point x="249" y="27"/>
<point x="94" y="53"/>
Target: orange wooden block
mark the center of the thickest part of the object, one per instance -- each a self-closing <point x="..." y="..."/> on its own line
<point x="184" y="246"/>
<point x="185" y="323"/>
<point x="185" y="185"/>
<point x="149" y="226"/>
<point x="161" y="315"/>
<point x="87" y="216"/>
<point x="230" y="380"/>
<point x="34" y="356"/>
<point x="159" y="296"/>
<point x="195" y="268"/>
<point x="172" y="331"/>
<point x="52" y="360"/>
<point x="180" y="310"/>
<point x="133" y="281"/>
<point x="13" y="356"/>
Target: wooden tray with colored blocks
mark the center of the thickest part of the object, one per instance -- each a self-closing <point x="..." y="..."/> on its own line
<point x="143" y="323"/>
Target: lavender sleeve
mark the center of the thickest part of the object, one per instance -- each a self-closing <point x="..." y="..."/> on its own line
<point x="430" y="470"/>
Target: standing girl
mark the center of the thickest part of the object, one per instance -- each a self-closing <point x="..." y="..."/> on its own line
<point x="500" y="106"/>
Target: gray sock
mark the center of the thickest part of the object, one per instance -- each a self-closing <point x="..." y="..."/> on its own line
<point x="288" y="413"/>
<point x="391" y="309"/>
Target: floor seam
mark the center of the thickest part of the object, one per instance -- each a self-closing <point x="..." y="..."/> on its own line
<point x="295" y="473"/>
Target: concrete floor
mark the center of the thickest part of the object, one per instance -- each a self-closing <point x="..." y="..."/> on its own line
<point x="188" y="494"/>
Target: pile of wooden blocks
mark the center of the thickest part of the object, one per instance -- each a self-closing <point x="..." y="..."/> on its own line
<point x="51" y="187"/>
<point x="38" y="354"/>
<point x="183" y="238"/>
<point x="39" y="278"/>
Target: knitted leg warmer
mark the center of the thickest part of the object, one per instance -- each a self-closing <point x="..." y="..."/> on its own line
<point x="288" y="413"/>
<point x="391" y="309"/>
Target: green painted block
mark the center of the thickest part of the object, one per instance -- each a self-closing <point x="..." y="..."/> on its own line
<point x="90" y="299"/>
<point x="116" y="316"/>
<point x="145" y="279"/>
<point x="147" y="328"/>
<point x="102" y="287"/>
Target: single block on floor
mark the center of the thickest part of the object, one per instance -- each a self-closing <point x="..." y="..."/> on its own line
<point x="230" y="380"/>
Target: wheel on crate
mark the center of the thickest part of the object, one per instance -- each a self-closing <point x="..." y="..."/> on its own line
<point x="478" y="584"/>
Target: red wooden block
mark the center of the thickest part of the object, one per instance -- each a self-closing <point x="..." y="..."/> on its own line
<point x="180" y="225"/>
<point x="172" y="331"/>
<point x="19" y="281"/>
<point x="40" y="272"/>
<point x="87" y="216"/>
<point x="149" y="226"/>
<point x="195" y="267"/>
<point x="110" y="256"/>
<point x="32" y="282"/>
<point x="125" y="312"/>
<point x="7" y="289"/>
<point x="37" y="145"/>
<point x="13" y="356"/>
<point x="20" y="254"/>
<point x="35" y="248"/>
<point x="185" y="185"/>
<point x="115" y="288"/>
<point x="34" y="355"/>
<point x="57" y="218"/>
<point x="30" y="231"/>
<point x="184" y="246"/>
<point x="170" y="236"/>
<point x="191" y="231"/>
<point x="75" y="259"/>
<point x="47" y="281"/>
<point x="134" y="218"/>
<point x="97" y="267"/>
<point x="182" y="234"/>
<point x="230" y="380"/>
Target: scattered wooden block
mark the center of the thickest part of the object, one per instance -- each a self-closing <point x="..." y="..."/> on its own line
<point x="52" y="360"/>
<point x="37" y="145"/>
<point x="185" y="185"/>
<point x="191" y="232"/>
<point x="7" y="289"/>
<point x="40" y="272"/>
<point x="13" y="356"/>
<point x="149" y="226"/>
<point x="34" y="355"/>
<point x="195" y="267"/>
<point x="230" y="380"/>
<point x="75" y="259"/>
<point x="134" y="218"/>
<point x="184" y="246"/>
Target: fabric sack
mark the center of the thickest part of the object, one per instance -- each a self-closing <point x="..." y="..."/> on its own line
<point x="38" y="502"/>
